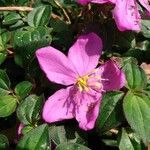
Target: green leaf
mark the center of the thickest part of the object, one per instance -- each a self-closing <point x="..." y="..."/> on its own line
<point x="62" y="31"/>
<point x="29" y="109"/>
<point x="27" y="42"/>
<point x="136" y="108"/>
<point x="11" y="18"/>
<point x="4" y="80"/>
<point x="124" y="141"/>
<point x="21" y="2"/>
<point x="146" y="28"/>
<point x="2" y="47"/>
<point x="26" y="129"/>
<point x="110" y="142"/>
<point x="23" y="89"/>
<point x="36" y="139"/>
<point x="4" y="92"/>
<point x="5" y="37"/>
<point x="18" y="24"/>
<point x="125" y="39"/>
<point x="110" y="108"/>
<point x="67" y="133"/>
<point x="8" y="105"/>
<point x="135" y="76"/>
<point x="136" y="142"/>
<point x="71" y="146"/>
<point x="4" y="143"/>
<point x="39" y="16"/>
<point x="3" y="56"/>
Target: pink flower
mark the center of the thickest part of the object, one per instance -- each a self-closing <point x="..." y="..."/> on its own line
<point x="85" y="83"/>
<point x="125" y="13"/>
<point x="84" y="2"/>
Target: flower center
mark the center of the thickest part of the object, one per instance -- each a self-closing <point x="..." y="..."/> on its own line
<point x="82" y="83"/>
<point x="90" y="81"/>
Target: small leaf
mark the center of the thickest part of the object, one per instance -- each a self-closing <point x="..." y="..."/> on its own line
<point x="36" y="139"/>
<point x="39" y="16"/>
<point x="3" y="56"/>
<point x="23" y="89"/>
<point x="4" y="92"/>
<point x="27" y="42"/>
<point x="67" y="133"/>
<point x="71" y="146"/>
<point x="8" y="105"/>
<point x="26" y="129"/>
<point x="135" y="76"/>
<point x="109" y="110"/>
<point x="28" y="111"/>
<point x="124" y="141"/>
<point x="4" y="143"/>
<point x="146" y="28"/>
<point x="136" y="108"/>
<point x="110" y="142"/>
<point x="11" y="18"/>
<point x="4" y="80"/>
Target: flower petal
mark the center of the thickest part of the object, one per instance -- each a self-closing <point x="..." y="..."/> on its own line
<point x="59" y="106"/>
<point x="85" y="53"/>
<point x="88" y="110"/>
<point x="103" y="1"/>
<point x="126" y="15"/>
<point x="83" y="2"/>
<point x="56" y="65"/>
<point x="114" y="78"/>
<point x="21" y="126"/>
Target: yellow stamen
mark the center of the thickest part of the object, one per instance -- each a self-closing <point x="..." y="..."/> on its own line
<point x="82" y="83"/>
<point x="85" y="84"/>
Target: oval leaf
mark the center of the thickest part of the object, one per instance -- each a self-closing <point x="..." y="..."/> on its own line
<point x="23" y="89"/>
<point x="39" y="16"/>
<point x="4" y="80"/>
<point x="137" y="109"/>
<point x="8" y="105"/>
<point x="36" y="139"/>
<point x="28" y="111"/>
<point x="109" y="109"/>
<point x="67" y="133"/>
<point x="135" y="76"/>
<point x="71" y="146"/>
<point x="124" y="141"/>
<point x="3" y="142"/>
<point x="11" y="18"/>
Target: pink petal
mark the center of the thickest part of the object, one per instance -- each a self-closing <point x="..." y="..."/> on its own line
<point x="126" y="15"/>
<point x="21" y="126"/>
<point x="85" y="53"/>
<point x="145" y="4"/>
<point x="114" y="78"/>
<point x="88" y="110"/>
<point x="103" y="1"/>
<point x="56" y="65"/>
<point x="83" y="2"/>
<point x="59" y="106"/>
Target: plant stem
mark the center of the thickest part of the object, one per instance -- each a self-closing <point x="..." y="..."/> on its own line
<point x="149" y="146"/>
<point x="16" y="8"/>
<point x="22" y="8"/>
<point x="64" y="11"/>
